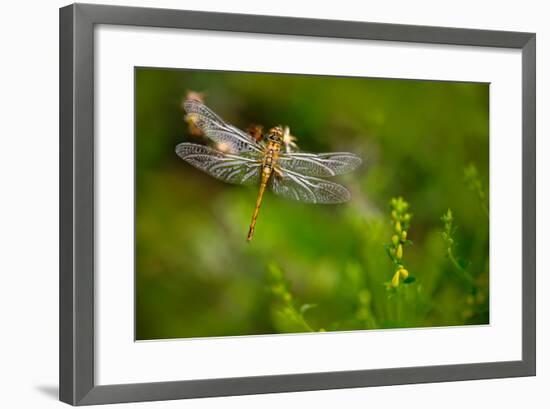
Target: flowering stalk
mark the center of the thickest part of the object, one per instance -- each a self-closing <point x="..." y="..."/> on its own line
<point x="473" y="181"/>
<point x="448" y="238"/>
<point x="280" y="290"/>
<point x="400" y="220"/>
<point x="477" y="299"/>
<point x="364" y="311"/>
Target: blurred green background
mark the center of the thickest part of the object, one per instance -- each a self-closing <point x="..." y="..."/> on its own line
<point x="313" y="267"/>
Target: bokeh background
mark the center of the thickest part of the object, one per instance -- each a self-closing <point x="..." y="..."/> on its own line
<point x="313" y="267"/>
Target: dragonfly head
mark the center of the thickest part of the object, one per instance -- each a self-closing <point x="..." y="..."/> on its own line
<point x="276" y="134"/>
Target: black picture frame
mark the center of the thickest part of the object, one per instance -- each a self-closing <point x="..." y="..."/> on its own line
<point x="77" y="385"/>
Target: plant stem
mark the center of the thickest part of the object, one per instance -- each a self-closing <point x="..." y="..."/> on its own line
<point x="463" y="274"/>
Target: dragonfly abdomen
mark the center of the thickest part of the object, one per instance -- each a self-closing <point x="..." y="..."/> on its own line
<point x="263" y="184"/>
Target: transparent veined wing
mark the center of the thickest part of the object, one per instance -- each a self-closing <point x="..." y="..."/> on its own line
<point x="229" y="137"/>
<point x="223" y="166"/>
<point x="319" y="164"/>
<point x="308" y="189"/>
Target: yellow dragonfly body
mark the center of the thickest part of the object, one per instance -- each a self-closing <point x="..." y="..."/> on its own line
<point x="240" y="159"/>
<point x="271" y="157"/>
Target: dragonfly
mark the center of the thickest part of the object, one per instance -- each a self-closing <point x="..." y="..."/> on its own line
<point x="238" y="158"/>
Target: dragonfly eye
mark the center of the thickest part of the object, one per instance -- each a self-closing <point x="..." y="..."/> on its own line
<point x="275" y="134"/>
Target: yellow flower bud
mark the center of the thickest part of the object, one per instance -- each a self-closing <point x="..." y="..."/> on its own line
<point x="398" y="227"/>
<point x="395" y="239"/>
<point x="404" y="273"/>
<point x="395" y="279"/>
<point x="399" y="252"/>
<point x="404" y="235"/>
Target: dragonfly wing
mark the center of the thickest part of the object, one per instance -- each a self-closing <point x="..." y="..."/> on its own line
<point x="226" y="167"/>
<point x="229" y="137"/>
<point x="320" y="164"/>
<point x="308" y="189"/>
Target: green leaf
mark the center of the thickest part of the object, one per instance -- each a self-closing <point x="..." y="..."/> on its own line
<point x="463" y="263"/>
<point x="409" y="280"/>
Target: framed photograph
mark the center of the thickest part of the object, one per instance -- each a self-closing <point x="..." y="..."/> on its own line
<point x="254" y="204"/>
